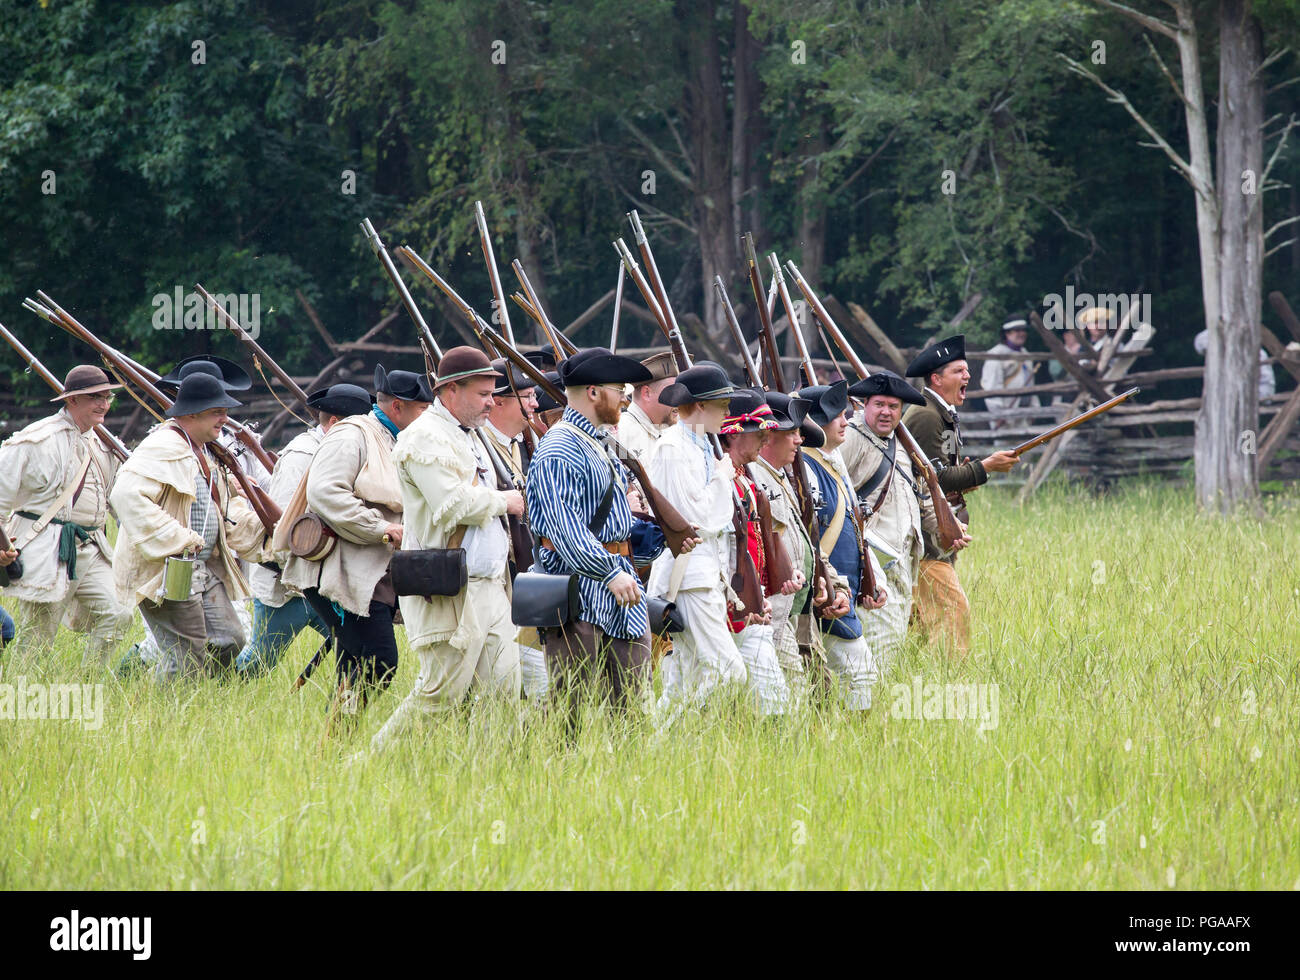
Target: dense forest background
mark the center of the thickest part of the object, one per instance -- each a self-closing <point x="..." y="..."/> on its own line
<point x="212" y="141"/>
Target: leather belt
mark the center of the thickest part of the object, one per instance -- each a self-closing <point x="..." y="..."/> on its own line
<point x="623" y="548"/>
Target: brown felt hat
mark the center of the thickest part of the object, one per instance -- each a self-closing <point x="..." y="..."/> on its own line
<point x="85" y="379"/>
<point x="661" y="365"/>
<point x="460" y="363"/>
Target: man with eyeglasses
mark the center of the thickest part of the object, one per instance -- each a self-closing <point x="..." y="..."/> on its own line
<point x="55" y="478"/>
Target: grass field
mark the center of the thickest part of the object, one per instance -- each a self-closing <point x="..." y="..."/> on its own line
<point x="1147" y="737"/>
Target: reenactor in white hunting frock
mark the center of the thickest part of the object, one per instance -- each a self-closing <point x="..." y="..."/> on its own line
<point x="352" y="486"/>
<point x="172" y="499"/>
<point x="450" y="501"/>
<point x="56" y="476"/>
<point x="279" y="617"/>
<point x="1008" y="372"/>
<point x="647" y="419"/>
<point x="898" y="508"/>
<point x="514" y="404"/>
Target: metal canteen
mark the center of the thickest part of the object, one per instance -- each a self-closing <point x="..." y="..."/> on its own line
<point x="178" y="574"/>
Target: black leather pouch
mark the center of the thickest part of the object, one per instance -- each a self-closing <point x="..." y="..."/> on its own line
<point x="429" y="571"/>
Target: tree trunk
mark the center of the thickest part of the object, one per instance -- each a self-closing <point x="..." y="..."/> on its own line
<point x="746" y="132"/>
<point x="706" y="103"/>
<point x="812" y="203"/>
<point x="1228" y="422"/>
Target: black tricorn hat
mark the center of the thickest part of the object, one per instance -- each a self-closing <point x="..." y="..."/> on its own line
<point x="406" y="385"/>
<point x="543" y="357"/>
<point x="748" y="412"/>
<point x="828" y="401"/>
<point x="341" y="400"/>
<point x="521" y="381"/>
<point x="231" y="375"/>
<point x="787" y="411"/>
<point x="886" y="383"/>
<point x="199" y="392"/>
<point x="545" y="403"/>
<point x="937" y="355"/>
<point x="705" y="382"/>
<point x="600" y="366"/>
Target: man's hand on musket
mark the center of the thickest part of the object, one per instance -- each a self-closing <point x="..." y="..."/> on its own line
<point x="795" y="584"/>
<point x="636" y="502"/>
<point x="840" y="607"/>
<point x="626" y="589"/>
<point x="514" y="502"/>
<point x="393" y="535"/>
<point x="965" y="538"/>
<point x="689" y="543"/>
<point x="8" y="558"/>
<point x="1000" y="461"/>
<point x="881" y="597"/>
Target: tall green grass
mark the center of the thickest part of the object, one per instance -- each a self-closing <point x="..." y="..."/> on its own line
<point x="1147" y="737"/>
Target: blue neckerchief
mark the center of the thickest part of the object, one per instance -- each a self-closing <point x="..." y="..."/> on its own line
<point x="384" y="420"/>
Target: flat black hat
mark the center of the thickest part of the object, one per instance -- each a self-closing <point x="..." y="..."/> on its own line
<point x="229" y="373"/>
<point x="521" y="381"/>
<point x="937" y="355"/>
<point x="748" y="412"/>
<point x="828" y="401"/>
<point x="705" y="382"/>
<point x="199" y="392"/>
<point x="341" y="400"/>
<point x="886" y="383"/>
<point x="406" y="385"/>
<point x="600" y="366"/>
<point x="545" y="403"/>
<point x="787" y="411"/>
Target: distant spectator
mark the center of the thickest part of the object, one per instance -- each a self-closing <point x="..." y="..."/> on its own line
<point x="1008" y="373"/>
<point x="1267" y="379"/>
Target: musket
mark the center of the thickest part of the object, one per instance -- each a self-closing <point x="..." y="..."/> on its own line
<point x="265" y="508"/>
<point x="675" y="528"/>
<point x="55" y="314"/>
<point x="110" y="441"/>
<point x="949" y="529"/>
<point x="561" y="344"/>
<point x="14" y="570"/>
<point x="260" y="357"/>
<point x="494" y="276"/>
<point x="781" y="567"/>
<point x="744" y="581"/>
<point x="618" y="308"/>
<point x="868" y="589"/>
<point x="521" y="540"/>
<point x="1069" y="424"/>
<point x="798" y="476"/>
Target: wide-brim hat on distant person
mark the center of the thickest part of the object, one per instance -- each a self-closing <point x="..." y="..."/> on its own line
<point x="828" y="401"/>
<point x="341" y="400"/>
<point x="662" y="365"/>
<point x="198" y="393"/>
<point x="937" y="355"/>
<point x="748" y="412"/>
<point x="601" y="366"/>
<point x="545" y="403"/>
<point x="229" y="373"/>
<point x="886" y="383"/>
<point x="85" y="379"/>
<point x="705" y="382"/>
<point x="1094" y="315"/>
<point x="409" y="386"/>
<point x="509" y="378"/>
<point x="787" y="411"/>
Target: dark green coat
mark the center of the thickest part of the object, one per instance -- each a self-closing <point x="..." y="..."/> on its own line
<point x="934" y="430"/>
